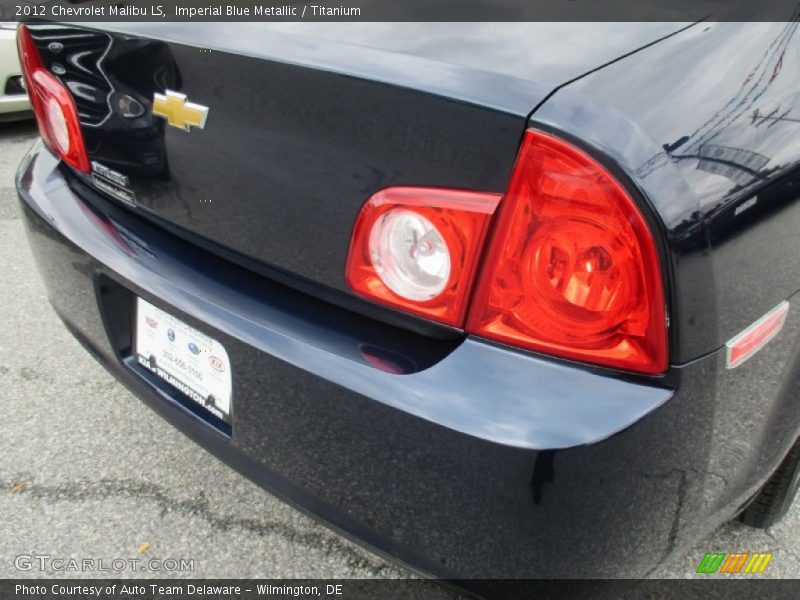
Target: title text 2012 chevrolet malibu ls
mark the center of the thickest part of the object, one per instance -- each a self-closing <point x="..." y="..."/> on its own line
<point x="499" y="300"/>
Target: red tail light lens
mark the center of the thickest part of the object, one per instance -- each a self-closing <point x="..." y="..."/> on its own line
<point x="572" y="269"/>
<point x="53" y="105"/>
<point x="418" y="249"/>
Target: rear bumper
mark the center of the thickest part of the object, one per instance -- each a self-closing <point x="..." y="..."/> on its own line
<point x="488" y="463"/>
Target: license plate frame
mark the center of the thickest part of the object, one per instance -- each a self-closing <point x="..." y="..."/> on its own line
<point x="191" y="362"/>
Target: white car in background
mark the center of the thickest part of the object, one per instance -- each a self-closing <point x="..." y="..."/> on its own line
<point x="14" y="102"/>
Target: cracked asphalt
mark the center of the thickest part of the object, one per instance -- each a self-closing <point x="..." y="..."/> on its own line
<point x="89" y="471"/>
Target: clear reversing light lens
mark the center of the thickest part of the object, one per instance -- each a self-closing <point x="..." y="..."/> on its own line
<point x="58" y="126"/>
<point x="409" y="255"/>
<point x="418" y="249"/>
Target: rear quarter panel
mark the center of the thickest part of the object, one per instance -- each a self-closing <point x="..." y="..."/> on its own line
<point x="707" y="125"/>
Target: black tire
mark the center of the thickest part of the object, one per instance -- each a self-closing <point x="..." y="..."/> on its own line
<point x="775" y="498"/>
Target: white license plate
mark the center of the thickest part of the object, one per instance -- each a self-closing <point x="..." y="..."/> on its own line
<point x="189" y="360"/>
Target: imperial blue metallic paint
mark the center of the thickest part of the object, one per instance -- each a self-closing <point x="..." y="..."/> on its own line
<point x="279" y="177"/>
<point x="711" y="137"/>
<point x="479" y="460"/>
<point x="485" y="404"/>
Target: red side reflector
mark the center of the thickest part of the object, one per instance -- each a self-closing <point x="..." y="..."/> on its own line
<point x="755" y="337"/>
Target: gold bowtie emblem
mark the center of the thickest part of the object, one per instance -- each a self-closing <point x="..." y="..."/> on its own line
<point x="178" y="112"/>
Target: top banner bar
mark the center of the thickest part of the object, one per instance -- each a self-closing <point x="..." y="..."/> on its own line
<point x="398" y="10"/>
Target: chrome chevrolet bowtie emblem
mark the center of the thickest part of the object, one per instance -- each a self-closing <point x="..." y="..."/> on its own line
<point x="178" y="112"/>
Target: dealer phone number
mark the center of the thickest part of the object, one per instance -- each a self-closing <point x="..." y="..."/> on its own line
<point x="182" y="364"/>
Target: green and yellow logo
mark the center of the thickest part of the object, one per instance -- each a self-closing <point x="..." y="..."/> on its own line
<point x="735" y="562"/>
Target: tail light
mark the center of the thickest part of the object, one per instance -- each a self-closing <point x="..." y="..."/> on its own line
<point x="571" y="268"/>
<point x="53" y="105"/>
<point x="418" y="249"/>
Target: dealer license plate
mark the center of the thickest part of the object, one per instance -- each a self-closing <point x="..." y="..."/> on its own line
<point x="189" y="360"/>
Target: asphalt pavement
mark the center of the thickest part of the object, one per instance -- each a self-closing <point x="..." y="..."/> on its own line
<point x="88" y="471"/>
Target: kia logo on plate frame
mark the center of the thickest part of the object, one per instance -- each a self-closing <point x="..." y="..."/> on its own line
<point x="216" y="363"/>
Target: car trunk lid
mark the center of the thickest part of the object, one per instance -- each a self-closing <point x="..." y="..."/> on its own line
<point x="302" y="127"/>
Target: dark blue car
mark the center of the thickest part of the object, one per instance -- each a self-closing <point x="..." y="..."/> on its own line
<point x="498" y="300"/>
